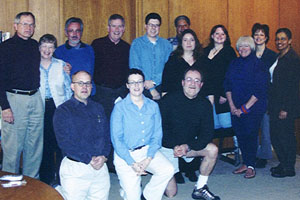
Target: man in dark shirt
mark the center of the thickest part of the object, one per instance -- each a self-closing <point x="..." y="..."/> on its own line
<point x="82" y="133"/>
<point x="187" y="121"/>
<point x="20" y="99"/>
<point x="111" y="68"/>
<point x="111" y="64"/>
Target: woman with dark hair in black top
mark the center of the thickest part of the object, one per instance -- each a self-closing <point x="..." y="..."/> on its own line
<point x="189" y="53"/>
<point x="219" y="54"/>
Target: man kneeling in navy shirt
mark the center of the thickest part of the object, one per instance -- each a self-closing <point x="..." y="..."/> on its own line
<point x="82" y="133"/>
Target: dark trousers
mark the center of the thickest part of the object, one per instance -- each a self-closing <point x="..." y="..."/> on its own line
<point x="189" y="167"/>
<point x="283" y="139"/>
<point x="106" y="97"/>
<point x="246" y="129"/>
<point x="52" y="155"/>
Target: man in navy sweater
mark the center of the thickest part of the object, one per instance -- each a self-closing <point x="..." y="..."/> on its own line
<point x="76" y="53"/>
<point x="82" y="133"/>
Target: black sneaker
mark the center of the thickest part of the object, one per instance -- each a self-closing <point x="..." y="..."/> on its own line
<point x="179" y="178"/>
<point x="204" y="194"/>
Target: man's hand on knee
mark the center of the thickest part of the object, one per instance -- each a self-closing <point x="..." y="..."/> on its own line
<point x="181" y="150"/>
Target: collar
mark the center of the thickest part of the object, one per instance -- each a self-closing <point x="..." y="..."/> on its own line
<point x="250" y="56"/>
<point x="111" y="42"/>
<point x="16" y="37"/>
<point x="53" y="60"/>
<point x="146" y="39"/>
<point x="82" y="45"/>
<point x="128" y="100"/>
<point x="188" y="99"/>
<point x="78" y="103"/>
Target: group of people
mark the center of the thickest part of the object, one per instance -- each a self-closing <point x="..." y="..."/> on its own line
<point x="157" y="104"/>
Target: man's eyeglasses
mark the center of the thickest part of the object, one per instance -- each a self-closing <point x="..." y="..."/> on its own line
<point x="153" y="25"/>
<point x="81" y="83"/>
<point x="74" y="31"/>
<point x="27" y="25"/>
<point x="135" y="82"/>
<point x="190" y="80"/>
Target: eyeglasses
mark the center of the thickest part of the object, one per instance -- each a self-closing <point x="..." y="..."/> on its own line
<point x="74" y="31"/>
<point x="153" y="25"/>
<point x="191" y="80"/>
<point x="135" y="82"/>
<point x="81" y="83"/>
<point x="27" y="25"/>
<point x="47" y="47"/>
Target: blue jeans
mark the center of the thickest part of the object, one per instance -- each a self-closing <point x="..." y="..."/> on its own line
<point x="264" y="150"/>
<point x="222" y="120"/>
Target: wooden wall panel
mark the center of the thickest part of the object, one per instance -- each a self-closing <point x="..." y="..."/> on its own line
<point x="47" y="14"/>
<point x="267" y="12"/>
<point x="95" y="14"/>
<point x="243" y="14"/>
<point x="289" y="12"/>
<point x="148" y="6"/>
<point x="8" y="10"/>
<point x="240" y="18"/>
<point x="203" y="15"/>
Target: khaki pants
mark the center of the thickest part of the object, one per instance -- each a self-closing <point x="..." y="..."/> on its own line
<point x="159" y="166"/>
<point x="24" y="135"/>
<point x="80" y="181"/>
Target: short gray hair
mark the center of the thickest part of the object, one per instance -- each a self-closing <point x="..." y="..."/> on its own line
<point x="19" y="15"/>
<point x="115" y="17"/>
<point x="245" y="40"/>
<point x="74" y="20"/>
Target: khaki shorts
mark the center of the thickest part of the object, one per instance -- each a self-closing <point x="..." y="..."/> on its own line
<point x="168" y="153"/>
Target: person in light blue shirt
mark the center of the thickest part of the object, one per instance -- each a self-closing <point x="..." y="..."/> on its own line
<point x="149" y="53"/>
<point x="136" y="134"/>
<point x="55" y="89"/>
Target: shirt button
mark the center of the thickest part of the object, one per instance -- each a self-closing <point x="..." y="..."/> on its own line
<point x="143" y="131"/>
<point x="142" y="122"/>
<point x="140" y="114"/>
<point x="143" y="140"/>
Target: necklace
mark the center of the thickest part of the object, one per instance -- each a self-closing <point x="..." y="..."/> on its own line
<point x="213" y="52"/>
<point x="216" y="50"/>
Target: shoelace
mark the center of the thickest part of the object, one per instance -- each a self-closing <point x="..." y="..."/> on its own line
<point x="206" y="193"/>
